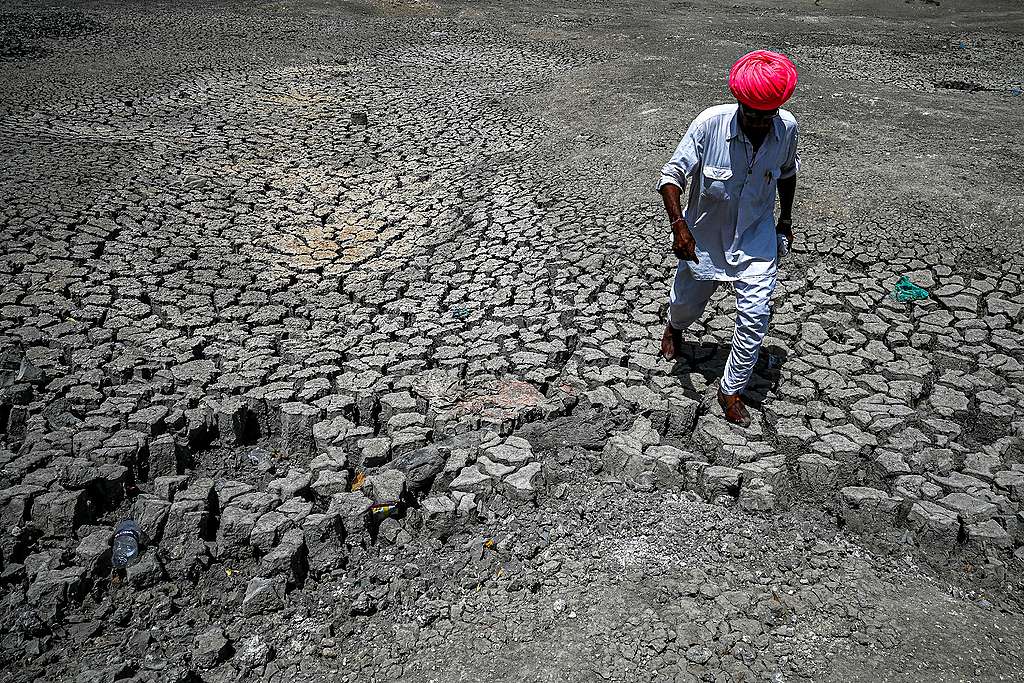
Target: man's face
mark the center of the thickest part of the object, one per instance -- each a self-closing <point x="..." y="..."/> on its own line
<point x="757" y="120"/>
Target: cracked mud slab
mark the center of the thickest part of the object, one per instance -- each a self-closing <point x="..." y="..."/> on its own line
<point x="355" y="308"/>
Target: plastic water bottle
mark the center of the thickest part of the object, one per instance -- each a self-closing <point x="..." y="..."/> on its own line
<point x="127" y="539"/>
<point x="783" y="245"/>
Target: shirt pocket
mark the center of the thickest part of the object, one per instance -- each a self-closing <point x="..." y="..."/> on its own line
<point x="716" y="179"/>
<point x="771" y="181"/>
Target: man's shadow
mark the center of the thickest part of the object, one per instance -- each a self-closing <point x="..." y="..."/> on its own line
<point x="708" y="360"/>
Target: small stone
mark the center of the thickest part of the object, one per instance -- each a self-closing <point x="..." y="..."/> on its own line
<point x="391" y="531"/>
<point x="936" y="527"/>
<point x="514" y="451"/>
<point x="420" y="467"/>
<point x="719" y="484"/>
<point x="198" y="372"/>
<point x="329" y="483"/>
<point x="93" y="552"/>
<point x="290" y="485"/>
<point x="865" y="509"/>
<point x="524" y="483"/>
<point x="757" y="496"/>
<point x="353" y="508"/>
<point x="167" y="487"/>
<point x="262" y="596"/>
<point x="385" y="487"/>
<point x="438" y="516"/>
<point x="472" y="480"/>
<point x="54" y="590"/>
<point x="698" y="654"/>
<point x="970" y="508"/>
<point x="374" y="452"/>
<point x="210" y="648"/>
<point x="163" y="457"/>
<point x="59" y="513"/>
<point x="297" y="420"/>
<point x="287" y="559"/>
<point x="496" y="470"/>
<point x="988" y="534"/>
<point x="268" y="530"/>
<point x="323" y="534"/>
<point x="817" y="473"/>
<point x="147" y="572"/>
<point x="254" y="652"/>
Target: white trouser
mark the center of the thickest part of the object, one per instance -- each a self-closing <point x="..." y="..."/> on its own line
<point x="686" y="302"/>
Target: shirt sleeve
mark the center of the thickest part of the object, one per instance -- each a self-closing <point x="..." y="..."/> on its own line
<point x="686" y="157"/>
<point x="792" y="163"/>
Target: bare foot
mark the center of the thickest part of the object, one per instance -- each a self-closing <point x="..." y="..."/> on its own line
<point x="671" y="343"/>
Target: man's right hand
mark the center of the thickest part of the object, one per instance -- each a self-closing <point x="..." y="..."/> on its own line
<point x="683" y="245"/>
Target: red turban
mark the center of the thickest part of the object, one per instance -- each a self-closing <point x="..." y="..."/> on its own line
<point x="762" y="79"/>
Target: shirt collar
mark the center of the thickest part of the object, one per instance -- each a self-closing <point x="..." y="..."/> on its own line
<point x="734" y="126"/>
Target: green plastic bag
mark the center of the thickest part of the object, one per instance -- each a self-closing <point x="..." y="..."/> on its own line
<point x="906" y="290"/>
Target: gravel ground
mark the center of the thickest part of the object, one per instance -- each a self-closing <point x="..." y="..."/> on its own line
<point x="355" y="308"/>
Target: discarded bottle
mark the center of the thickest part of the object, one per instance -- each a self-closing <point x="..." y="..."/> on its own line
<point x="381" y="511"/>
<point x="127" y="542"/>
<point x="905" y="290"/>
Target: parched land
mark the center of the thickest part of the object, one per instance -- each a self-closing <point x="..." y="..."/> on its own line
<point x="355" y="306"/>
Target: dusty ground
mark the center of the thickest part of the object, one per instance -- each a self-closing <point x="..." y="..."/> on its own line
<point x="269" y="266"/>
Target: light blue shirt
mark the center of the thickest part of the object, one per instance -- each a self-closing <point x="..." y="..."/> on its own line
<point x="731" y="206"/>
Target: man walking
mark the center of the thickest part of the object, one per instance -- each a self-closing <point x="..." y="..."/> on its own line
<point x="736" y="156"/>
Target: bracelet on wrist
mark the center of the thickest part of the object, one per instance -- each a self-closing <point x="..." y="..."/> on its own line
<point x="678" y="220"/>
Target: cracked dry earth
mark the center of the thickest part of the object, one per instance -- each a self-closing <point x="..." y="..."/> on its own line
<point x="355" y="307"/>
